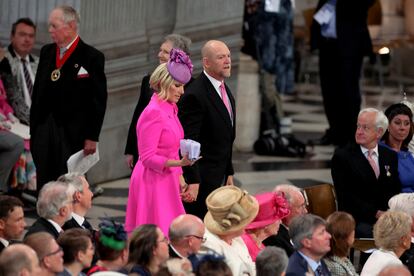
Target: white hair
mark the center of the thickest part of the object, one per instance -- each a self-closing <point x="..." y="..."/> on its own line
<point x="403" y="202"/>
<point x="381" y="121"/>
<point x="53" y="196"/>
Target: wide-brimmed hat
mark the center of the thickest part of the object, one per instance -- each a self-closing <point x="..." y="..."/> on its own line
<point x="272" y="207"/>
<point x="179" y="66"/>
<point x="230" y="209"/>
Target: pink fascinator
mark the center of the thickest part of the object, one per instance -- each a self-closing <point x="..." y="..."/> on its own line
<point x="272" y="207"/>
<point x="179" y="66"/>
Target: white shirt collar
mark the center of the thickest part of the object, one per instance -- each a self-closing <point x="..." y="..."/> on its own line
<point x="70" y="44"/>
<point x="214" y="82"/>
<point x="365" y="150"/>
<point x="79" y="219"/>
<point x="57" y="226"/>
<point x="176" y="252"/>
<point x="4" y="242"/>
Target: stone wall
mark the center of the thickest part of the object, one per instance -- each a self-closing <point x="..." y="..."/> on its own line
<point x="129" y="33"/>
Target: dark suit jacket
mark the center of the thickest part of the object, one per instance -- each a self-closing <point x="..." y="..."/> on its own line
<point x="408" y="258"/>
<point x="72" y="223"/>
<point x="206" y="120"/>
<point x="2" y="247"/>
<point x="358" y="191"/>
<point x="42" y="225"/>
<point x="172" y="252"/>
<point x="282" y="240"/>
<point x="298" y="266"/>
<point x="76" y="105"/>
<point x="351" y="27"/>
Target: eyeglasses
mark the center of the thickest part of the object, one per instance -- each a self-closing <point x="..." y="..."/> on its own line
<point x="54" y="252"/>
<point x="165" y="239"/>
<point x="202" y="239"/>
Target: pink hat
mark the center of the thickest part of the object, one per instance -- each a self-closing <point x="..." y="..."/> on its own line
<point x="272" y="207"/>
<point x="179" y="66"/>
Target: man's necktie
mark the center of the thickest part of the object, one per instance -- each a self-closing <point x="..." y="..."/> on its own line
<point x="372" y="163"/>
<point x="27" y="77"/>
<point x="223" y="94"/>
<point x="87" y="225"/>
<point x="320" y="271"/>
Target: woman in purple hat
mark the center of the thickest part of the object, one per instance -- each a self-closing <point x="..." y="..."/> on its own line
<point x="272" y="208"/>
<point x="154" y="192"/>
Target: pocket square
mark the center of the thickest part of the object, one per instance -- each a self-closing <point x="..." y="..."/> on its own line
<point x="82" y="73"/>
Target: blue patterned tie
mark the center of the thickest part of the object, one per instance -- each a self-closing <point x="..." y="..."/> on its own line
<point x="27" y="77"/>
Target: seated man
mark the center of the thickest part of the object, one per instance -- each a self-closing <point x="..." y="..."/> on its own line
<point x="297" y="207"/>
<point x="11" y="220"/>
<point x="271" y="261"/>
<point x="365" y="174"/>
<point x="82" y="201"/>
<point x="312" y="242"/>
<point x="48" y="252"/>
<point x="186" y="235"/>
<point x="54" y="207"/>
<point x="19" y="259"/>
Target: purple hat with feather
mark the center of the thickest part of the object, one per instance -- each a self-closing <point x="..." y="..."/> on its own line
<point x="179" y="66"/>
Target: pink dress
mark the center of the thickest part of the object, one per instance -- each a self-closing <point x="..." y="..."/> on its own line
<point x="251" y="245"/>
<point x="154" y="190"/>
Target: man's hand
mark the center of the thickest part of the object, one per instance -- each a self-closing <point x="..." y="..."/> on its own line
<point x="129" y="158"/>
<point x="230" y="181"/>
<point x="89" y="147"/>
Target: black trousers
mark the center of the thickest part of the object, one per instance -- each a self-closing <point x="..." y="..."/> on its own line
<point x="339" y="77"/>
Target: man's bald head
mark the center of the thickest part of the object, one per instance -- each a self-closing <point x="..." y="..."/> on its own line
<point x="216" y="59"/>
<point x="185" y="225"/>
<point x="19" y="259"/>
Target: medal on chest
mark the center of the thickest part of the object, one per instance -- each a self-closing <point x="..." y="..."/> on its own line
<point x="55" y="75"/>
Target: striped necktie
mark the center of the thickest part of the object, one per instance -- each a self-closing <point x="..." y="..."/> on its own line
<point x="27" y="77"/>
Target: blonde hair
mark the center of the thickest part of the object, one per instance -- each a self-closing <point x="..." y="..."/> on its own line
<point x="161" y="81"/>
<point x="390" y="228"/>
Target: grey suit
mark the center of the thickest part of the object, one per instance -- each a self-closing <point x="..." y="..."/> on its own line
<point x="11" y="146"/>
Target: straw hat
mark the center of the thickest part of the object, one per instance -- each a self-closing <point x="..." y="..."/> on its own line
<point x="272" y="207"/>
<point x="229" y="210"/>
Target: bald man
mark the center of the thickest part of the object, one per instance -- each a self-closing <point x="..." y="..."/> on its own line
<point x="186" y="235"/>
<point x="207" y="112"/>
<point x="19" y="260"/>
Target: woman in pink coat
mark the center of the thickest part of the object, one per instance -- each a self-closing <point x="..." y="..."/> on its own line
<point x="156" y="181"/>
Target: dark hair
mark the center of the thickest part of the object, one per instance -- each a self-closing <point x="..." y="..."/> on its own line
<point x="143" y="241"/>
<point x="340" y="225"/>
<point x="394" y="110"/>
<point x="7" y="205"/>
<point x="72" y="241"/>
<point x="212" y="265"/>
<point x="24" y="20"/>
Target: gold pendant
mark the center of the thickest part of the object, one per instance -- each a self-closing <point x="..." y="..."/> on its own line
<point x="55" y="75"/>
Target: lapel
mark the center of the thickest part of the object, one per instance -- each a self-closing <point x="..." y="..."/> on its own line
<point x="304" y="264"/>
<point x="217" y="102"/>
<point x="361" y="163"/>
<point x="50" y="227"/>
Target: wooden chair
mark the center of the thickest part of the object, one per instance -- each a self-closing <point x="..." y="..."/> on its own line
<point x="321" y="199"/>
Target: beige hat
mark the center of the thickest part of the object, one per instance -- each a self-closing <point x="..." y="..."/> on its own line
<point x="229" y="210"/>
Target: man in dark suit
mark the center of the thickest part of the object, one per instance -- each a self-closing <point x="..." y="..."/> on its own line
<point x="312" y="242"/>
<point x="342" y="37"/>
<point x="82" y="201"/>
<point x="297" y="207"/>
<point x="69" y="97"/>
<point x="54" y="207"/>
<point x="186" y="235"/>
<point x="207" y="112"/>
<point x="11" y="220"/>
<point x="365" y="174"/>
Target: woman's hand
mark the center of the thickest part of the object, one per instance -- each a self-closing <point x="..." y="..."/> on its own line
<point x="191" y="194"/>
<point x="129" y="159"/>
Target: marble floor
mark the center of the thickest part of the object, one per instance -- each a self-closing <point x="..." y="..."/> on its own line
<point x="261" y="173"/>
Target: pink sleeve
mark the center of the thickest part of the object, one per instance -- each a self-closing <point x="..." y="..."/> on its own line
<point x="149" y="130"/>
<point x="5" y="108"/>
